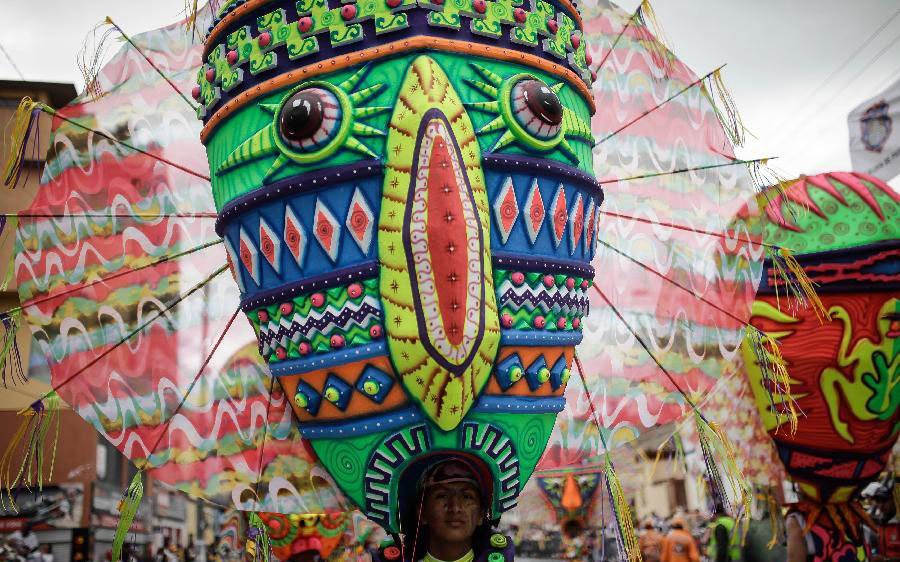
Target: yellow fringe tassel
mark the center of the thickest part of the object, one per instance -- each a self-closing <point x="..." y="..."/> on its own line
<point x="39" y="418"/>
<point x="773" y="363"/>
<point x="658" y="45"/>
<point x="739" y="485"/>
<point x="792" y="274"/>
<point x="728" y="114"/>
<point x="773" y="512"/>
<point x="16" y="134"/>
<point x="623" y="515"/>
<point x="90" y="57"/>
<point x="6" y="468"/>
<point x="190" y="9"/>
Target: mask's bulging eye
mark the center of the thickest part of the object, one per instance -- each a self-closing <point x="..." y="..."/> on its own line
<point x="309" y="119"/>
<point x="537" y="108"/>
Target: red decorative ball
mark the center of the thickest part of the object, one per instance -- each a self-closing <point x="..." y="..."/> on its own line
<point x="231" y="57"/>
<point x="576" y="40"/>
<point x="520" y="14"/>
<point x="561" y="323"/>
<point x="549" y="280"/>
<point x="552" y="26"/>
<point x="593" y="76"/>
<point x="280" y="353"/>
<point x="304" y="348"/>
<point x="210" y="75"/>
<point x="585" y="284"/>
<point x="393" y="3"/>
<point x="570" y="283"/>
<point x="540" y="322"/>
<point x="576" y="322"/>
<point x="518" y="277"/>
<point x="479" y="6"/>
<point x="286" y="308"/>
<point x="262" y="315"/>
<point x="355" y="290"/>
<point x="507" y="321"/>
<point x="391" y="553"/>
<point x="348" y="11"/>
<point x="304" y="24"/>
<point x="264" y="39"/>
<point x="317" y="299"/>
<point x="588" y="58"/>
<point x="195" y="93"/>
<point x="337" y="341"/>
<point x="375" y="331"/>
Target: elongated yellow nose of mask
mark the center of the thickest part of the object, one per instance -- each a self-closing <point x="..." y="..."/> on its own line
<point x="436" y="279"/>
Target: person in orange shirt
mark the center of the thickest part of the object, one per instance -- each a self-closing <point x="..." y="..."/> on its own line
<point x="651" y="542"/>
<point x="679" y="545"/>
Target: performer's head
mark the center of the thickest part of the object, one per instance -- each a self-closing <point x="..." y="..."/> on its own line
<point x="449" y="513"/>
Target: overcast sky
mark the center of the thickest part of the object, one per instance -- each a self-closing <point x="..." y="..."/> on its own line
<point x="782" y="59"/>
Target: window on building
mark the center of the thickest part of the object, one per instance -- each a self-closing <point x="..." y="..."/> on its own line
<point x="109" y="463"/>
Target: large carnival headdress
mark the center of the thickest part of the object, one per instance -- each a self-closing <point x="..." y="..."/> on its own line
<point x="408" y="196"/>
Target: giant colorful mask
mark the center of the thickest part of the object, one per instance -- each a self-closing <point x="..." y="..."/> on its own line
<point x="407" y="198"/>
<point x="844" y="372"/>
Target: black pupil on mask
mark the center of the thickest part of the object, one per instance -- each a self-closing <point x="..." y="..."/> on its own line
<point x="302" y="116"/>
<point x="543" y="102"/>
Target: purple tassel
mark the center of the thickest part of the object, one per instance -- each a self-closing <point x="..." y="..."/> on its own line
<point x="15" y="172"/>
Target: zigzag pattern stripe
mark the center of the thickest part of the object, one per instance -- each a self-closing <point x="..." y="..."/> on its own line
<point x="566" y="301"/>
<point x="326" y="323"/>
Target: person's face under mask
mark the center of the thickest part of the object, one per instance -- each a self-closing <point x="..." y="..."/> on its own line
<point x="452" y="511"/>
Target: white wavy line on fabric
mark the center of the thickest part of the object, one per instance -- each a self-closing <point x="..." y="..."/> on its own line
<point x="155" y="401"/>
<point x="644" y="415"/>
<point x="180" y="423"/>
<point x="83" y="248"/>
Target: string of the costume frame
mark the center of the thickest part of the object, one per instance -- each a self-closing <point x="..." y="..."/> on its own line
<point x="657" y="106"/>
<point x="262" y="446"/>
<point x="679" y="425"/>
<point x="131" y="334"/>
<point x="722" y="235"/>
<point x="731" y="162"/>
<point x="190" y="388"/>
<point x="672" y="282"/>
<point x="50" y="111"/>
<point x="628" y="548"/>
<point x="615" y="42"/>
<point x="733" y="472"/>
<point x="151" y="63"/>
<point x="110" y="277"/>
<point x="650" y="353"/>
